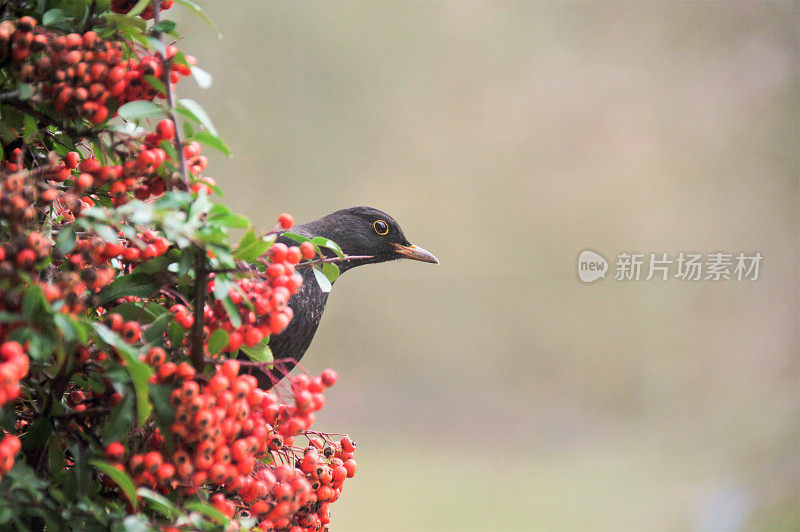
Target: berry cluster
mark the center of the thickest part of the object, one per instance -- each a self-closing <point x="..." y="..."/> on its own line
<point x="24" y="195"/>
<point x="14" y="365"/>
<point x="24" y="252"/>
<point x="269" y="296"/>
<point x="123" y="6"/>
<point x="222" y="432"/>
<point x="143" y="171"/>
<point x="81" y="75"/>
<point x="9" y="447"/>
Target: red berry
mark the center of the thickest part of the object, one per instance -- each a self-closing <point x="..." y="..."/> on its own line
<point x="348" y="445"/>
<point x="293" y="255"/>
<point x="285" y="220"/>
<point x="230" y="368"/>
<point x="185" y="320"/>
<point x="150" y="251"/>
<point x="26" y="258"/>
<point x="350" y="466"/>
<point x="114" y="451"/>
<point x="130" y="332"/>
<point x="308" y="250"/>
<point x="329" y="377"/>
<point x="114" y="321"/>
<point x="10" y="350"/>
<point x="166" y="129"/>
<point x="191" y="150"/>
<point x="218" y="383"/>
<point x="252" y="336"/>
<point x="277" y="252"/>
<point x="84" y="181"/>
<point x="234" y="341"/>
<point x="71" y="159"/>
<point x="90" y="165"/>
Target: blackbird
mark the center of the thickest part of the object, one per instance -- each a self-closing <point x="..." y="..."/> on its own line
<point x="368" y="235"/>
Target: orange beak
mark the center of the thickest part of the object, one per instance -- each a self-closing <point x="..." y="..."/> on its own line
<point x="416" y="253"/>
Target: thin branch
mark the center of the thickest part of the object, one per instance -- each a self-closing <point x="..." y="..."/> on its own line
<point x="200" y="288"/>
<point x="314" y="262"/>
<point x="165" y="79"/>
<point x="305" y="264"/>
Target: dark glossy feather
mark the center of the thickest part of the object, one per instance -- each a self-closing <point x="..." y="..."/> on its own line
<point x="354" y="231"/>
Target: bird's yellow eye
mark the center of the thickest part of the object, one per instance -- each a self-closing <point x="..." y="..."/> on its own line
<point x="380" y="227"/>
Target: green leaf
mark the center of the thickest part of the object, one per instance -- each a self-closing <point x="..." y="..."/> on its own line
<point x="236" y="221"/>
<point x="54" y="16"/>
<point x="207" y="510"/>
<point x="194" y="111"/>
<point x="233" y="312"/>
<point x="139" y="7"/>
<point x="212" y="140"/>
<point x="66" y="239"/>
<point x="188" y="130"/>
<point x="8" y="419"/>
<point x="135" y="35"/>
<point x="329" y="244"/>
<point x="55" y="458"/>
<point x="139" y="109"/>
<point x="251" y="247"/>
<point x="80" y="471"/>
<point x="217" y="341"/>
<point x="248" y="238"/>
<point x="152" y="266"/>
<point x="164" y="413"/>
<point x="121" y="478"/>
<point x="120" y="419"/>
<point x="106" y="233"/>
<point x="140" y="311"/>
<point x="175" y="333"/>
<point x="136" y="523"/>
<point x="34" y="305"/>
<point x="157" y="45"/>
<point x="29" y="129"/>
<point x="322" y="280"/>
<point x="156" y="83"/>
<point x="68" y="328"/>
<point x="37" y="434"/>
<point x="259" y="352"/>
<point x="24" y="90"/>
<point x="202" y="77"/>
<point x="158" y="503"/>
<point x="135" y="284"/>
<point x="331" y="271"/>
<point x="199" y="12"/>
<point x="164" y="26"/>
<point x="9" y="317"/>
<point x="297" y="238"/>
<point x="155" y="332"/>
<point x="39" y="345"/>
<point x="138" y="370"/>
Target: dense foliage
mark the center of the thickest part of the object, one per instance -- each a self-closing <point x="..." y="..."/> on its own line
<point x="129" y="320"/>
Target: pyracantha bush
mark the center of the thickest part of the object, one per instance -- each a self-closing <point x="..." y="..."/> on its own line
<point x="130" y="324"/>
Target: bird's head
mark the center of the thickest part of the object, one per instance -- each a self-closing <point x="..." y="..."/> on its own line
<point x="367" y="232"/>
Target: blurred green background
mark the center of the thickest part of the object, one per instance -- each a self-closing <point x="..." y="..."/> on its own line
<point x="496" y="391"/>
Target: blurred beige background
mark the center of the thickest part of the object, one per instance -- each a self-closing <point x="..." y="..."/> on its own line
<point x="497" y="391"/>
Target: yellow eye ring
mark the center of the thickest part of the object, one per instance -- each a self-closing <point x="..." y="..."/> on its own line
<point x="380" y="227"/>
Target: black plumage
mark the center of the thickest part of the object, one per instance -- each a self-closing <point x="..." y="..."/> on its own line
<point x="363" y="232"/>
